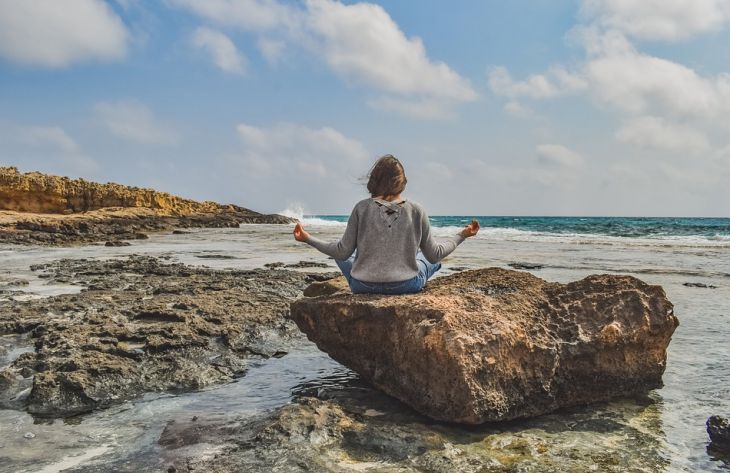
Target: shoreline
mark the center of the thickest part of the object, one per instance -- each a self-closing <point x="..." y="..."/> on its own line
<point x="116" y="225"/>
<point x="43" y="209"/>
<point x="302" y="408"/>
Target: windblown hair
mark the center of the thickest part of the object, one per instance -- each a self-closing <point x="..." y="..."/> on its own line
<point x="387" y="177"/>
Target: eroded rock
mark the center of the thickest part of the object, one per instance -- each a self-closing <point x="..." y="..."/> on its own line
<point x="143" y="325"/>
<point x="495" y="344"/>
<point x="719" y="430"/>
<point x="354" y="428"/>
<point x="37" y="208"/>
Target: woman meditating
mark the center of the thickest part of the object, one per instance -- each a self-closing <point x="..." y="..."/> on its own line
<point x="379" y="252"/>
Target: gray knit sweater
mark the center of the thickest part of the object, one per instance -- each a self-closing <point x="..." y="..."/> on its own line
<point x="387" y="236"/>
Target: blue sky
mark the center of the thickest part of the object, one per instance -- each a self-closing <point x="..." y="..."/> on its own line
<point x="541" y="107"/>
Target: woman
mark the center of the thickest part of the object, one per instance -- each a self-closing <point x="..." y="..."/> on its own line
<point x="379" y="251"/>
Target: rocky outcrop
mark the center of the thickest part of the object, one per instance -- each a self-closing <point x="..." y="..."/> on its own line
<point x="352" y="428"/>
<point x="495" y="344"/>
<point x="719" y="430"/>
<point x="38" y="208"/>
<point x="41" y="193"/>
<point x="142" y="325"/>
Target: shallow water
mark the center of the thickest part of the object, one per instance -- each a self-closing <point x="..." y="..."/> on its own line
<point x="669" y="430"/>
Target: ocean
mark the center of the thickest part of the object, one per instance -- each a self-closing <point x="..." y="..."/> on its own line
<point x="690" y="230"/>
<point x="688" y="257"/>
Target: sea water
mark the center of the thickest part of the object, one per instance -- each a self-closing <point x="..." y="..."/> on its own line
<point x="678" y="254"/>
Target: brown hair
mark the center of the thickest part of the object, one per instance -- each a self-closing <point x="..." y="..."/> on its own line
<point x="387" y="177"/>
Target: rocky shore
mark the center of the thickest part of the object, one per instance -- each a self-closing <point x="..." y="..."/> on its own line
<point x="355" y="428"/>
<point x="37" y="208"/>
<point x="142" y="324"/>
<point x="718" y="428"/>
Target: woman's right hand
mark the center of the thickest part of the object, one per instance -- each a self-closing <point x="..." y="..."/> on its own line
<point x="299" y="233"/>
<point x="471" y="229"/>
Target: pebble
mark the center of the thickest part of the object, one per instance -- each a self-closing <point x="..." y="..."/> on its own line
<point x="29" y="435"/>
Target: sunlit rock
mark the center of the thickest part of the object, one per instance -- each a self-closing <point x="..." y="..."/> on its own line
<point x="494" y="344"/>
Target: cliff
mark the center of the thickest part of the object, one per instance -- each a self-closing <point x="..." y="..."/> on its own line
<point x="38" y="208"/>
<point x="42" y="193"/>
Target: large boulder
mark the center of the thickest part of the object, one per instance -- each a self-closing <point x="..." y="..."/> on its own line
<point x="495" y="344"/>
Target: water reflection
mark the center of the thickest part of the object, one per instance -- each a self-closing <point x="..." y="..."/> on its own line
<point x="623" y="435"/>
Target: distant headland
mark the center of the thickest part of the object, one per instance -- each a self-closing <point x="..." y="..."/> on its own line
<point x="37" y="208"/>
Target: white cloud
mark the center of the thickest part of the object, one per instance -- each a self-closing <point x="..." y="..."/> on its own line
<point x="659" y="19"/>
<point x="631" y="82"/>
<point x="45" y="148"/>
<point x="362" y="43"/>
<point x="554" y="154"/>
<point x="655" y="132"/>
<point x="424" y="109"/>
<point x="516" y="109"/>
<point x="536" y="86"/>
<point x="509" y="178"/>
<point x="557" y="81"/>
<point x="439" y="170"/>
<point x="48" y="136"/>
<point x="134" y="121"/>
<point x="359" y="42"/>
<point x="638" y="83"/>
<point x="650" y="94"/>
<point x="289" y="149"/>
<point x="223" y="52"/>
<point x="253" y="15"/>
<point x="50" y="33"/>
<point x="271" y="49"/>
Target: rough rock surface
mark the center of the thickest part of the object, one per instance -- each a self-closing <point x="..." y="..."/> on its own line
<point x="496" y="344"/>
<point x="139" y="325"/>
<point x="719" y="430"/>
<point x="353" y="428"/>
<point x="39" y="208"/>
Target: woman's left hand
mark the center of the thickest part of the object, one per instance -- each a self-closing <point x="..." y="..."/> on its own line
<point x="471" y="229"/>
<point x="299" y="233"/>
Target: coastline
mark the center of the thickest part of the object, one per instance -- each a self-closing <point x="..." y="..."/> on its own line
<point x="159" y="328"/>
<point x="43" y="209"/>
<point x="116" y="225"/>
<point x="249" y="421"/>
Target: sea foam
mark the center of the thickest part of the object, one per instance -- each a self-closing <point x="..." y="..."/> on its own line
<point x="298" y="212"/>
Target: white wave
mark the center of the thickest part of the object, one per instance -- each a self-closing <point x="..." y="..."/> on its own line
<point x="321" y="222"/>
<point x="513" y="234"/>
<point x="298" y="212"/>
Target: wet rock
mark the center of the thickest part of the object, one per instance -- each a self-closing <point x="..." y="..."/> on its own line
<point x="117" y="243"/>
<point x="354" y="428"/>
<point x="699" y="284"/>
<point x="13" y="282"/>
<point x="719" y="430"/>
<point x="308" y="264"/>
<point x="205" y="256"/>
<point x="143" y="325"/>
<point x="526" y="266"/>
<point x="8" y="379"/>
<point x="494" y="344"/>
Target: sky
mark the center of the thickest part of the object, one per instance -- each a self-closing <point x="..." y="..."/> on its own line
<point x="526" y="107"/>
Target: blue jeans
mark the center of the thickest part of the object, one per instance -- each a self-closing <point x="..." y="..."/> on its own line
<point x="415" y="284"/>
